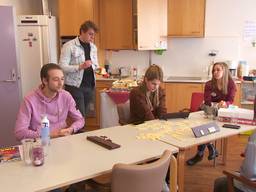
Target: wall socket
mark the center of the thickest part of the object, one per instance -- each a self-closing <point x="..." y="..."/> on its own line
<point x="213" y="53"/>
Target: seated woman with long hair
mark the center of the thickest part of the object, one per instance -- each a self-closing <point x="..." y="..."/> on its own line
<point x="147" y="101"/>
<point x="219" y="90"/>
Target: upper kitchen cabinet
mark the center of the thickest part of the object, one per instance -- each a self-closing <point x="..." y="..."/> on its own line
<point x="186" y="18"/>
<point x="133" y="24"/>
<point x="73" y="13"/>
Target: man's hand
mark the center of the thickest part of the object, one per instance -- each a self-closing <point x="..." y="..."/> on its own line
<point x="85" y="65"/>
<point x="61" y="132"/>
<point x="66" y="131"/>
<point x="54" y="134"/>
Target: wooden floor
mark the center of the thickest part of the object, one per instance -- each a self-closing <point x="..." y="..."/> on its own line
<point x="200" y="177"/>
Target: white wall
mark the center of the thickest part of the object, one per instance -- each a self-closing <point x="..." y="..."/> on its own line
<point x="224" y="25"/>
<point x="24" y="7"/>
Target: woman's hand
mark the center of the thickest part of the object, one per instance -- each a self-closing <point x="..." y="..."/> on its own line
<point x="222" y="104"/>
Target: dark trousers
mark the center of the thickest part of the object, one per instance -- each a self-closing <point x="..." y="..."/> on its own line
<point x="82" y="97"/>
<point x="202" y="147"/>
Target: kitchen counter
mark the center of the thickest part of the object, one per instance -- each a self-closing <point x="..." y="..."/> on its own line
<point x="185" y="80"/>
<point x="180" y="79"/>
<point x="170" y="79"/>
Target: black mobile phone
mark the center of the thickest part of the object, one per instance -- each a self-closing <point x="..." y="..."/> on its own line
<point x="231" y="126"/>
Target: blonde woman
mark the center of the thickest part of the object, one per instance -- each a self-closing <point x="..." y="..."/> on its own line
<point x="220" y="90"/>
<point x="147" y="102"/>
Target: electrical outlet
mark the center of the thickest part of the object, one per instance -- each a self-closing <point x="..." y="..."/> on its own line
<point x="213" y="53"/>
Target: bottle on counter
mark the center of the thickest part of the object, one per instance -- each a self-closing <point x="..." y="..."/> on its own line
<point x="107" y="66"/>
<point x="245" y="68"/>
<point x="135" y="73"/>
<point x="240" y="71"/>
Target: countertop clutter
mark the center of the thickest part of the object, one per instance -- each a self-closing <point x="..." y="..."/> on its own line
<point x="125" y="84"/>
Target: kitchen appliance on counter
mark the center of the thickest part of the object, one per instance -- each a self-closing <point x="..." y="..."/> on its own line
<point x="243" y="69"/>
<point x="37" y="40"/>
<point x="232" y="65"/>
<point x="124" y="72"/>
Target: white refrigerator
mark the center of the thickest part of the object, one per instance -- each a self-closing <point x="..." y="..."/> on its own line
<point x="37" y="44"/>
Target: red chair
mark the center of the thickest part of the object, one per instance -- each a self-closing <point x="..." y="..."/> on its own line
<point x="197" y="99"/>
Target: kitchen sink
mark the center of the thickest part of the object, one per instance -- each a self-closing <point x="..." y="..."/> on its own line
<point x="184" y="78"/>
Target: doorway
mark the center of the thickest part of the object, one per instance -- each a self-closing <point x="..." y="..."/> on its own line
<point x="10" y="91"/>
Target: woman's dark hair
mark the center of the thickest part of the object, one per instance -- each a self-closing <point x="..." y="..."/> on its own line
<point x="88" y="25"/>
<point x="154" y="72"/>
<point x="46" y="68"/>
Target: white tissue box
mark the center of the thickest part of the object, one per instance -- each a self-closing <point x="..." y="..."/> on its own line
<point x="242" y="116"/>
<point x="236" y="113"/>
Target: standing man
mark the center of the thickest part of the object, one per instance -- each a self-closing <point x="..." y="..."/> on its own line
<point x="51" y="100"/>
<point x="78" y="60"/>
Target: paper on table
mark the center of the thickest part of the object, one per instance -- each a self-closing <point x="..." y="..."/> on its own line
<point x="177" y="129"/>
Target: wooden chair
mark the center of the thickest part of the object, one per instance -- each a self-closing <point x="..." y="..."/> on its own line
<point x="235" y="175"/>
<point x="148" y="177"/>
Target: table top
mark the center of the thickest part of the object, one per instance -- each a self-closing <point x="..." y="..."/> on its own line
<point x="189" y="140"/>
<point x="73" y="158"/>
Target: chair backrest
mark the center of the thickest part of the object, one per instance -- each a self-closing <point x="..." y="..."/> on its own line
<point x="123" y="111"/>
<point x="137" y="178"/>
<point x="197" y="99"/>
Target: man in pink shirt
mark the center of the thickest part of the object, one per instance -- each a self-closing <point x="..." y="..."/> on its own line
<point x="51" y="100"/>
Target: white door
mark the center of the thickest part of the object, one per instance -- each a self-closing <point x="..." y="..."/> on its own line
<point x="9" y="81"/>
